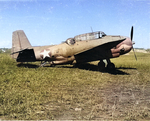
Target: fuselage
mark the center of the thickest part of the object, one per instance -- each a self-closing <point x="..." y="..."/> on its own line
<point x="65" y="53"/>
<point x="82" y="48"/>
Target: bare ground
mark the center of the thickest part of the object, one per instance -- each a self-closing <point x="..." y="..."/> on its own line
<point x="115" y="101"/>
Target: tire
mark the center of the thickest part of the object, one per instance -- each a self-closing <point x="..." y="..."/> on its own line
<point x="101" y="66"/>
<point x="111" y="67"/>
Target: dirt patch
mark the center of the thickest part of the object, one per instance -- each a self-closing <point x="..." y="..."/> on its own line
<point x="128" y="101"/>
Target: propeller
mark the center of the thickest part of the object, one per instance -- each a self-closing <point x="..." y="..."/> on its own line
<point x="131" y="35"/>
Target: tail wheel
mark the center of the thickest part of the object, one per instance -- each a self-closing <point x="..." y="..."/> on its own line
<point x="101" y="66"/>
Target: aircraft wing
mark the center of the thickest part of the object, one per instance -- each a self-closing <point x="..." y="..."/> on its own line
<point x="102" y="51"/>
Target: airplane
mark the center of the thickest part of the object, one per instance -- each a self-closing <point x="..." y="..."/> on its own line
<point x="94" y="46"/>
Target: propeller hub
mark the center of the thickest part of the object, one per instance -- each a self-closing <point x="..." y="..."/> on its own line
<point x="133" y="42"/>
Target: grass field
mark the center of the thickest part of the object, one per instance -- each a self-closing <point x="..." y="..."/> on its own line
<point x="63" y="92"/>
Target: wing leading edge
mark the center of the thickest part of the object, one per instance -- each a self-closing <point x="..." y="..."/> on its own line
<point x="100" y="52"/>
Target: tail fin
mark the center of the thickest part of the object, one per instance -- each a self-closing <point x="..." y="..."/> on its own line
<point x="22" y="50"/>
<point x="19" y="43"/>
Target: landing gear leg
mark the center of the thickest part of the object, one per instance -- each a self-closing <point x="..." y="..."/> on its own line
<point x="101" y="66"/>
<point x="51" y="63"/>
<point x="110" y="66"/>
<point x="76" y="65"/>
<point x="43" y="63"/>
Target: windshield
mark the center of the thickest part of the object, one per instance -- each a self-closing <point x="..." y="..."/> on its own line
<point x="90" y="36"/>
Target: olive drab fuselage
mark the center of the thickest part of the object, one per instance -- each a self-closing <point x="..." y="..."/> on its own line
<point x="82" y="48"/>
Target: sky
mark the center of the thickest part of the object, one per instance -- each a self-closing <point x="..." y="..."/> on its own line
<point x="47" y="22"/>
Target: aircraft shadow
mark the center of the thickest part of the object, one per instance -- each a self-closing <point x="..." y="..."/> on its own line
<point x="85" y="66"/>
<point x="28" y="65"/>
<point x="126" y="68"/>
<point x="92" y="67"/>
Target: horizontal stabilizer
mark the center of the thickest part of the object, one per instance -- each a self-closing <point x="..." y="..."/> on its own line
<point x="26" y="55"/>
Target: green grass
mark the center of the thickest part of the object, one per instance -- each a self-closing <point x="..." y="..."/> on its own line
<point x="63" y="92"/>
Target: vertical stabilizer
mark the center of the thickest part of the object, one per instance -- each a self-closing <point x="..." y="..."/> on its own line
<point x="19" y="43"/>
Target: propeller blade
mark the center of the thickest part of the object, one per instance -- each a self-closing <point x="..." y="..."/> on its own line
<point x="131" y="33"/>
<point x="134" y="54"/>
<point x="131" y="40"/>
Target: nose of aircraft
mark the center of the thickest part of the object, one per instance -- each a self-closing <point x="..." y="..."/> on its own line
<point x="128" y="42"/>
<point x="125" y="46"/>
<point x="128" y="45"/>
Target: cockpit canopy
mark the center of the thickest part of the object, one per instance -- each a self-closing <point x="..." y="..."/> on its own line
<point x="89" y="36"/>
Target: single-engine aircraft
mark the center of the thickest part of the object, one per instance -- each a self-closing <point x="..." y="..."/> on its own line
<point x="80" y="49"/>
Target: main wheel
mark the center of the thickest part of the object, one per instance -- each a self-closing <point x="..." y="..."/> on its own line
<point x="101" y="66"/>
<point x="110" y="66"/>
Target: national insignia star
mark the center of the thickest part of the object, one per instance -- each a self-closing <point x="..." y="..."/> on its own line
<point x="45" y="54"/>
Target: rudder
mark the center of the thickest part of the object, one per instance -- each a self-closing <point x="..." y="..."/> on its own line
<point x="19" y="43"/>
<point x="22" y="50"/>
